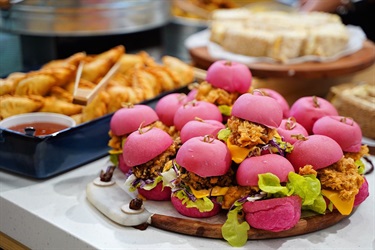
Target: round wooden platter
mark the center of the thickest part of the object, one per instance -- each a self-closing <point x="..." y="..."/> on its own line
<point x="109" y="199"/>
<point x="353" y="63"/>
<point x="209" y="230"/>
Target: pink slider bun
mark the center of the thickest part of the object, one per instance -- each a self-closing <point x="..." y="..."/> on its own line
<point x="275" y="95"/>
<point x="204" y="156"/>
<point x="362" y="194"/>
<point x="307" y="110"/>
<point x="277" y="214"/>
<point x="345" y="131"/>
<point x="196" y="109"/>
<point x="248" y="170"/>
<point x="258" y="109"/>
<point x="167" y="106"/>
<point x="130" y="118"/>
<point x="200" y="127"/>
<point x="144" y="145"/>
<point x="192" y="211"/>
<point x="289" y="127"/>
<point x="158" y="193"/>
<point x="320" y="151"/>
<point x="230" y="76"/>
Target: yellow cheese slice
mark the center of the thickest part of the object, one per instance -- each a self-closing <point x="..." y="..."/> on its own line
<point x="215" y="191"/>
<point x="343" y="206"/>
<point x="238" y="154"/>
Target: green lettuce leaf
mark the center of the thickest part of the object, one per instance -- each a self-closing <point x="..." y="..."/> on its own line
<point x="309" y="189"/>
<point x="234" y="232"/>
<point x="361" y="166"/>
<point x="225" y="110"/>
<point x="224" y="134"/>
<point x="270" y="183"/>
<point x="202" y="204"/>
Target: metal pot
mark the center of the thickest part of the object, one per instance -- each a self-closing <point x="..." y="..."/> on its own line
<point x="82" y="17"/>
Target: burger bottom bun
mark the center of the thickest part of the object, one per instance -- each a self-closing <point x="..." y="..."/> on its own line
<point x="192" y="211"/>
<point x="158" y="193"/>
<point x="277" y="214"/>
<point x="362" y="194"/>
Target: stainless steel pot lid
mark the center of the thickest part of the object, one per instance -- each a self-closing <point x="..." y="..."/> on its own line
<point x="83" y="17"/>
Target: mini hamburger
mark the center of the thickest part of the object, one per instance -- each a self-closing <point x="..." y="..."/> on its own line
<point x="203" y="176"/>
<point x="224" y="83"/>
<point x="340" y="178"/>
<point x="251" y="129"/>
<point x="121" y="126"/>
<point x="149" y="152"/>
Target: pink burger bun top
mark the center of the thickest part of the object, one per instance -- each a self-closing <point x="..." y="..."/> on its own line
<point x="200" y="128"/>
<point x="290" y="127"/>
<point x="129" y="119"/>
<point x="144" y="145"/>
<point x="258" y="109"/>
<point x="196" y="109"/>
<point x="275" y="95"/>
<point x="345" y="131"/>
<point x="248" y="170"/>
<point x="320" y="151"/>
<point x="230" y="76"/>
<point x="204" y="156"/>
<point x="167" y="106"/>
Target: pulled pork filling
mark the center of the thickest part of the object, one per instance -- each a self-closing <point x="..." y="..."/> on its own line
<point x="198" y="182"/>
<point x="343" y="177"/>
<point x="154" y="167"/>
<point x="207" y="92"/>
<point x="247" y="134"/>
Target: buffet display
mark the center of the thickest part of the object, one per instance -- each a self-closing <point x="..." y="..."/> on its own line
<point x="229" y="161"/>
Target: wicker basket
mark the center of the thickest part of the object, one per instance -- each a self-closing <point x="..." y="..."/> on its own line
<point x="356" y="100"/>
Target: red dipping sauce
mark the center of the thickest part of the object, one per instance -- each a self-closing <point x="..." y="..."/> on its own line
<point x="41" y="128"/>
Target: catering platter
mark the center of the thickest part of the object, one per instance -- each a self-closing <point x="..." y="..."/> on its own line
<point x="352" y="63"/>
<point x="108" y="199"/>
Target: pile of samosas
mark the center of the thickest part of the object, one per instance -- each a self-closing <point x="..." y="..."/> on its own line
<point x="50" y="89"/>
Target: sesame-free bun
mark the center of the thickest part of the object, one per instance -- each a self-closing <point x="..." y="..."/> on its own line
<point x="196" y="109"/>
<point x="345" y="131"/>
<point x="248" y="170"/>
<point x="320" y="151"/>
<point x="200" y="128"/>
<point x="158" y="193"/>
<point x="193" y="212"/>
<point x="204" y="156"/>
<point x="277" y="214"/>
<point x="230" y="76"/>
<point x="144" y="145"/>
<point x="263" y="110"/>
<point x="129" y="119"/>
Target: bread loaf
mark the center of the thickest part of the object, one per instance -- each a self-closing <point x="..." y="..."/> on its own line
<point x="358" y="102"/>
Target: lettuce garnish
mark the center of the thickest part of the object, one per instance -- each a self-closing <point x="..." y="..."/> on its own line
<point x="202" y="204"/>
<point x="225" y="110"/>
<point x="233" y="231"/>
<point x="309" y="189"/>
<point x="224" y="134"/>
<point x="270" y="183"/>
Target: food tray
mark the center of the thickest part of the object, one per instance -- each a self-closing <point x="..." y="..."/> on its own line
<point x="48" y="156"/>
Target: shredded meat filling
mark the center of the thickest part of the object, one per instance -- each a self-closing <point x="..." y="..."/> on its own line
<point x="343" y="177"/>
<point x="207" y="92"/>
<point x="248" y="134"/>
<point x="154" y="167"/>
<point x="198" y="182"/>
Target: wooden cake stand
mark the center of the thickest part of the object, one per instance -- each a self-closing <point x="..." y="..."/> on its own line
<point x="310" y="78"/>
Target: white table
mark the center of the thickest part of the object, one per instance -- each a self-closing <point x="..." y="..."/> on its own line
<point x="55" y="214"/>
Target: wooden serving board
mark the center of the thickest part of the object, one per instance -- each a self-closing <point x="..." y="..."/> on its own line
<point x="353" y="63"/>
<point x="110" y="199"/>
